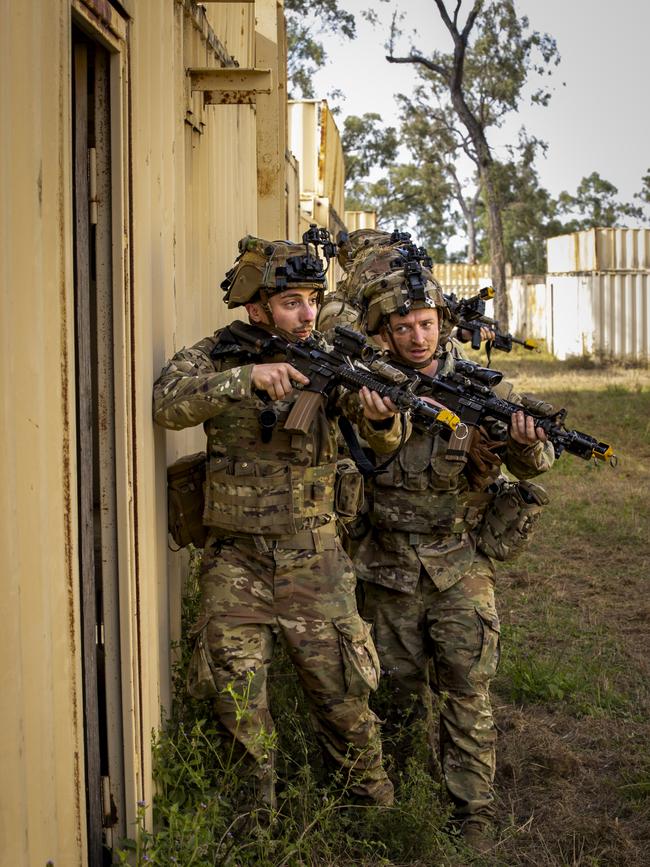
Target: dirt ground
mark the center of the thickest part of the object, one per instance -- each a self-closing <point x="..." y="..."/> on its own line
<point x="573" y="704"/>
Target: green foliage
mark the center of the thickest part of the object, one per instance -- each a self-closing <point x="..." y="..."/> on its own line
<point x="306" y="20"/>
<point x="644" y="195"/>
<point x="595" y="205"/>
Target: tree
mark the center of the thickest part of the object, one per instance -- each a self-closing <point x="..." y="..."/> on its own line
<point x="306" y="19"/>
<point x="594" y="205"/>
<point x="483" y="81"/>
<point x="530" y="214"/>
<point x="405" y="194"/>
<point x="429" y="139"/>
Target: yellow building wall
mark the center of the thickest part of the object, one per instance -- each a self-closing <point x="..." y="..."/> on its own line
<point x="184" y="191"/>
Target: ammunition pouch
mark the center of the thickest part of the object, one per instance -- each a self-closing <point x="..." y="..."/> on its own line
<point x="185" y="500"/>
<point x="348" y="490"/>
<point x="265" y="497"/>
<point x="510" y="518"/>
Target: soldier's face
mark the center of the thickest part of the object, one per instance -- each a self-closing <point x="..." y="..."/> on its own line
<point x="294" y="311"/>
<point x="413" y="337"/>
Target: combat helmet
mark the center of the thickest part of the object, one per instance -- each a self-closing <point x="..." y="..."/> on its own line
<point x="398" y="280"/>
<point x="264" y="268"/>
<point x="343" y="306"/>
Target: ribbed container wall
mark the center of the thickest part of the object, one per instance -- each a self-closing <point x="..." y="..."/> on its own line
<point x="184" y="191"/>
<point x="360" y="220"/>
<point x="605" y="314"/>
<point x="598" y="282"/>
<point x="528" y="305"/>
<point x="42" y="807"/>
<point x="599" y="250"/>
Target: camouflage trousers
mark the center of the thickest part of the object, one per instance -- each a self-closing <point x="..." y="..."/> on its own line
<point x="250" y="598"/>
<point x="445" y="642"/>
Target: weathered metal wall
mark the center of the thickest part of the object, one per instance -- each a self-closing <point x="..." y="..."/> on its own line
<point x="599" y="250"/>
<point x="184" y="191"/>
<point x="529" y="303"/>
<point x="605" y="314"/>
<point x="41" y="737"/>
<point x="316" y="143"/>
<point x="360" y="220"/>
<point x="461" y="278"/>
<point x="597" y="293"/>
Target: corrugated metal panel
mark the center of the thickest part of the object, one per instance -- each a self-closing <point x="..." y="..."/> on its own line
<point x="184" y="191"/>
<point x="331" y="165"/>
<point x="304" y="143"/>
<point x="528" y="308"/>
<point x="601" y="314"/>
<point x="461" y="278"/>
<point x="315" y="141"/>
<point x="599" y="250"/>
<point x="42" y="807"/>
<point x="360" y="220"/>
<point x="234" y="24"/>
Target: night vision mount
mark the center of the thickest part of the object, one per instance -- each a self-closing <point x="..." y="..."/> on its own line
<point x="308" y="268"/>
<point x="412" y="259"/>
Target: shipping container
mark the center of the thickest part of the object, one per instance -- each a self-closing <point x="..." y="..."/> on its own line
<point x="599" y="250"/>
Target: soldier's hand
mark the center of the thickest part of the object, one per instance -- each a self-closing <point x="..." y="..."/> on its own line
<point x="487" y="333"/>
<point x="277" y="379"/>
<point x="523" y="430"/>
<point x="375" y="407"/>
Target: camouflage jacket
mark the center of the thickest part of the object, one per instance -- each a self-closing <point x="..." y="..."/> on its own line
<point x="261" y="479"/>
<point x="424" y="508"/>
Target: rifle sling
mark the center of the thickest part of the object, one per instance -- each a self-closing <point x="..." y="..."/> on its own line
<point x="364" y="465"/>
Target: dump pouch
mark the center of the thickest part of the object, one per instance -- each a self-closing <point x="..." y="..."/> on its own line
<point x="185" y="500"/>
<point x="510" y="518"/>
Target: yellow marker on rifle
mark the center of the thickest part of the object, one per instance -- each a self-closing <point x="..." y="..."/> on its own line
<point x="486" y="293"/>
<point x="530" y="344"/>
<point x="448" y="418"/>
<point x="604" y="452"/>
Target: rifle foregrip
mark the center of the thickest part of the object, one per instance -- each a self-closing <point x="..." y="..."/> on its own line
<point x="303" y="412"/>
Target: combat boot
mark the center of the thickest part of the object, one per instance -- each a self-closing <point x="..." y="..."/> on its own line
<point x="477" y="835"/>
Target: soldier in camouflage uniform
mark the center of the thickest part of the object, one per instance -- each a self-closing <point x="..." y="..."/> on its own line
<point x="273" y="565"/>
<point x="428" y="590"/>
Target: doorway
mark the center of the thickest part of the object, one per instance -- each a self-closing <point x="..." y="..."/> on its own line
<point x="95" y="453"/>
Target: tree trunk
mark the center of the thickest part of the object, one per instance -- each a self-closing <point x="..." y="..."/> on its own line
<point x="471" y="239"/>
<point x="497" y="250"/>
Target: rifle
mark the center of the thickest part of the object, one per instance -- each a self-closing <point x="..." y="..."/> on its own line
<point x="469" y="314"/>
<point x="328" y="368"/>
<point x="467" y="391"/>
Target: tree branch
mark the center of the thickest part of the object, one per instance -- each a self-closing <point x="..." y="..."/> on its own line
<point x="418" y="58"/>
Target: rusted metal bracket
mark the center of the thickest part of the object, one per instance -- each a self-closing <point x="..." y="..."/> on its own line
<point x="231" y="85"/>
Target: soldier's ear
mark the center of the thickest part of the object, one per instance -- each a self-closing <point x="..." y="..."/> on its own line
<point x="382" y="337"/>
<point x="255" y="312"/>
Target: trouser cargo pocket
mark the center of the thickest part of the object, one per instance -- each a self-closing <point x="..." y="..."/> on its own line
<point x="358" y="655"/>
<point x="200" y="678"/>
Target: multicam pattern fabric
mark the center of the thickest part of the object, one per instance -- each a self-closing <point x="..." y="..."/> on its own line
<point x="430" y="594"/>
<point x="456" y="630"/>
<point x="273" y="565"/>
<point x="306" y="599"/>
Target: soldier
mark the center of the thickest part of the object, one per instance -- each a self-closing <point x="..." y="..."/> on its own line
<point x="273" y="565"/>
<point x="426" y="587"/>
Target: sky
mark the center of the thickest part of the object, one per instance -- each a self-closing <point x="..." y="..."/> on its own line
<point x="598" y="118"/>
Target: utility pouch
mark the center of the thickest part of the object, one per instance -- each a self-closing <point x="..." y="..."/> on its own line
<point x="185" y="500"/>
<point x="510" y="518"/>
<point x="348" y="490"/>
